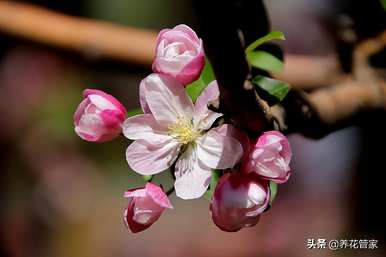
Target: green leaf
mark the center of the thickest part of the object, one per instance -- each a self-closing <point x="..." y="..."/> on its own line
<point x="273" y="189"/>
<point x="134" y="112"/>
<point x="383" y="3"/>
<point x="276" y="88"/>
<point x="265" y="61"/>
<point x="147" y="178"/>
<point x="195" y="88"/>
<point x="213" y="183"/>
<point x="270" y="36"/>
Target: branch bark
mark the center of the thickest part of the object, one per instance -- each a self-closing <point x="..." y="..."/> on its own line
<point x="89" y="37"/>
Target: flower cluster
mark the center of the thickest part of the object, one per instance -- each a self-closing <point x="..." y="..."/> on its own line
<point x="178" y="135"/>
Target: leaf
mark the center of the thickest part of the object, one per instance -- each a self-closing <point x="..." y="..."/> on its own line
<point x="265" y="61"/>
<point x="213" y="183"/>
<point x="276" y="88"/>
<point x="134" y="112"/>
<point x="195" y="88"/>
<point x="273" y="189"/>
<point x="383" y="3"/>
<point x="270" y="36"/>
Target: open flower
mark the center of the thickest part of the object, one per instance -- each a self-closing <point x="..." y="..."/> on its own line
<point x="145" y="207"/>
<point x="174" y="129"/>
<point x="270" y="157"/>
<point x="180" y="54"/>
<point x="99" y="116"/>
<point x="238" y="201"/>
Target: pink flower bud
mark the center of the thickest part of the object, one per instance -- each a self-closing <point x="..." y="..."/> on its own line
<point x="179" y="54"/>
<point x="238" y="201"/>
<point x="99" y="116"/>
<point x="270" y="157"/>
<point x="146" y="205"/>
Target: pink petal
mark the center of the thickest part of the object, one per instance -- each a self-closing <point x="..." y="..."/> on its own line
<point x="135" y="192"/>
<point x="238" y="201"/>
<point x="167" y="99"/>
<point x="141" y="213"/>
<point x="178" y="36"/>
<point x="108" y="97"/>
<point x="217" y="151"/>
<point x="158" y="195"/>
<point x="276" y="136"/>
<point x="203" y="117"/>
<point x="80" y="110"/>
<point x="147" y="159"/>
<point x="145" y="127"/>
<point x="112" y="120"/>
<point x="142" y="98"/>
<point x="180" y="54"/>
<point x="192" y="176"/>
<point x="270" y="157"/>
<point x="145" y="206"/>
<point x="186" y="29"/>
<point x="231" y="131"/>
<point x="172" y="67"/>
<point x="90" y="127"/>
<point x="210" y="94"/>
<point x="192" y="70"/>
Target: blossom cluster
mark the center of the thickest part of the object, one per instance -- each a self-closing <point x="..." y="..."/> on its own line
<point x="187" y="138"/>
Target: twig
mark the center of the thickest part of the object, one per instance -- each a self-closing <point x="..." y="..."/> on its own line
<point x="89" y="37"/>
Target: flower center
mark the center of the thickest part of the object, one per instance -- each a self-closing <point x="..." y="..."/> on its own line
<point x="183" y="131"/>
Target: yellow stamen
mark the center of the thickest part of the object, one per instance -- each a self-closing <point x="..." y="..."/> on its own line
<point x="183" y="131"/>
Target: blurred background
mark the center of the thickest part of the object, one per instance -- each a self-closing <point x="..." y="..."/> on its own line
<point x="62" y="196"/>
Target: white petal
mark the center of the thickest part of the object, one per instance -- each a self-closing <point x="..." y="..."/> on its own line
<point x="211" y="93"/>
<point x="167" y="99"/>
<point x="203" y="117"/>
<point x="142" y="98"/>
<point x="217" y="151"/>
<point x="147" y="159"/>
<point x="144" y="127"/>
<point x="192" y="176"/>
<point x="101" y="102"/>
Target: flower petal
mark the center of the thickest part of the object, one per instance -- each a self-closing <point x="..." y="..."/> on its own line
<point x="192" y="176"/>
<point x="142" y="98"/>
<point x="80" y="110"/>
<point x="192" y="70"/>
<point x="186" y="29"/>
<point x="203" y="117"/>
<point x="147" y="159"/>
<point x="103" y="100"/>
<point x="167" y="99"/>
<point x="145" y="127"/>
<point x="217" y="151"/>
<point x="135" y="192"/>
<point x="158" y="195"/>
<point x="231" y="131"/>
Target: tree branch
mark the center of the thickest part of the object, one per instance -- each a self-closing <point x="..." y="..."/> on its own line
<point x="89" y="37"/>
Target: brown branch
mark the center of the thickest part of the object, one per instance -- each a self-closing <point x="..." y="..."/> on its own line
<point x="310" y="72"/>
<point x="106" y="40"/>
<point x="345" y="100"/>
<point x="327" y="109"/>
<point x="362" y="71"/>
<point x="89" y="37"/>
